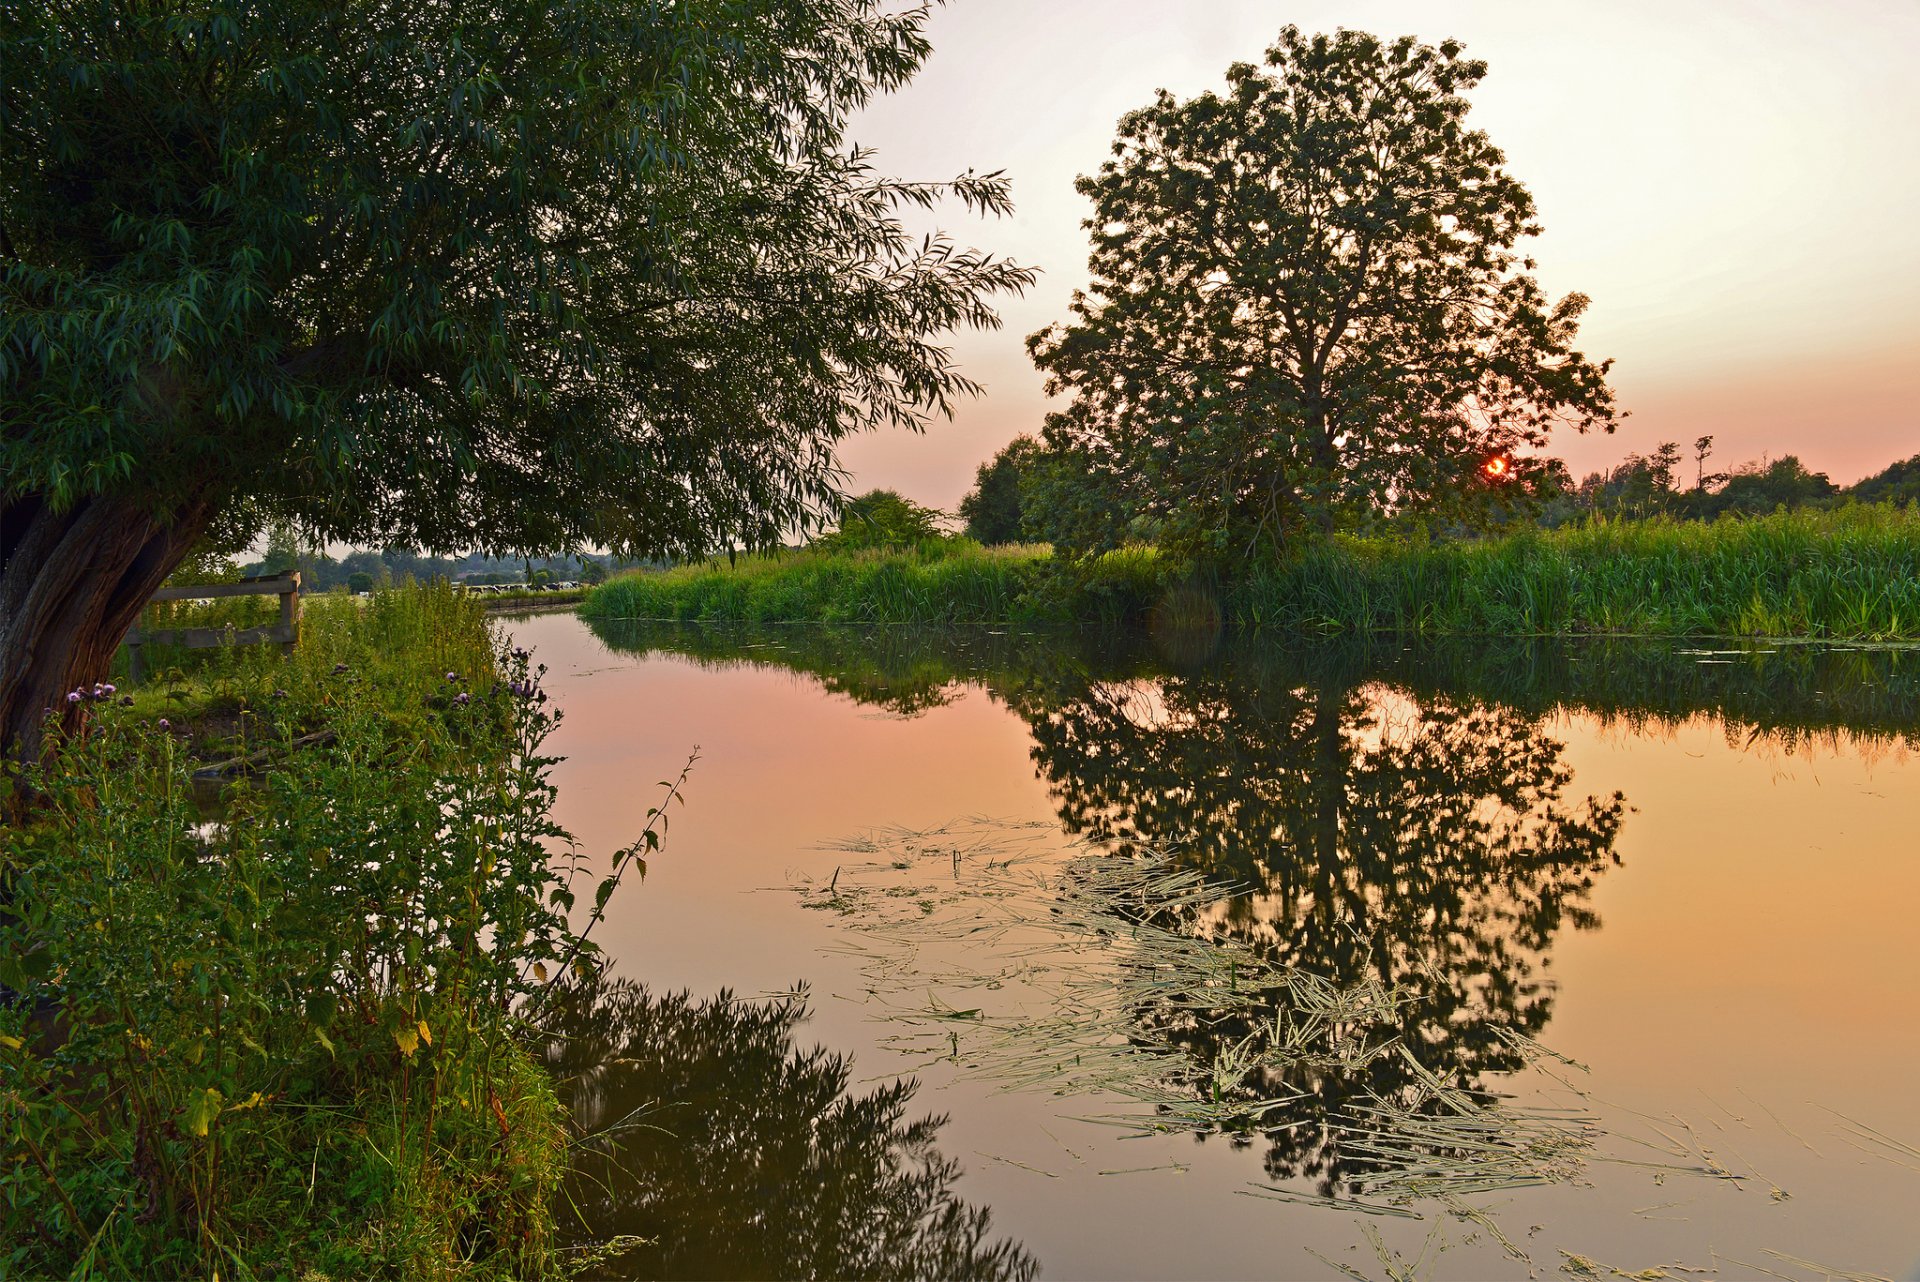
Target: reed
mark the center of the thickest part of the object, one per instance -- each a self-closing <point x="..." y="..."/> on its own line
<point x="940" y="581"/>
<point x="1848" y="574"/>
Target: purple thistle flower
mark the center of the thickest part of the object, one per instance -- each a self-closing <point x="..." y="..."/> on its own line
<point x="108" y="687"/>
<point x="461" y="698"/>
<point x="339" y="668"/>
<point x="73" y="696"/>
<point x="453" y="676"/>
<point x="165" y="724"/>
<point x="126" y="701"/>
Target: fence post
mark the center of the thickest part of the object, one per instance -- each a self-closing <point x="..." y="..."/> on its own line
<point x="290" y="612"/>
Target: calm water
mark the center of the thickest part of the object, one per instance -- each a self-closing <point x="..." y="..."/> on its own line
<point x="1642" y="920"/>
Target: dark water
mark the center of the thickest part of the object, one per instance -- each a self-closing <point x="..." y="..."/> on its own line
<point x="1625" y="933"/>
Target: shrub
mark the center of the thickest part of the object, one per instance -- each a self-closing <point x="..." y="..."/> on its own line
<point x="289" y="1038"/>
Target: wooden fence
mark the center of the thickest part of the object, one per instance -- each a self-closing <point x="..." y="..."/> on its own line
<point x="285" y="633"/>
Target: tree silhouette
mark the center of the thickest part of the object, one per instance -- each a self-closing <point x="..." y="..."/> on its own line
<point x="743" y="1157"/>
<point x="1427" y="846"/>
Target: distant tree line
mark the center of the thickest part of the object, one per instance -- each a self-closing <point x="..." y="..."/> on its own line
<point x="363" y="570"/>
<point x="1027" y="493"/>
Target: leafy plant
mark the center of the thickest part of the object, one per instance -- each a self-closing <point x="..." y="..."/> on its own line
<point x="290" y="1036"/>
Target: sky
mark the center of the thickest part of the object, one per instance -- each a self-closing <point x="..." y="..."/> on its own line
<point x="1734" y="183"/>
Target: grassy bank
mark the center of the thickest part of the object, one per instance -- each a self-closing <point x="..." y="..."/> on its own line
<point x="938" y="582"/>
<point x="292" y="1042"/>
<point x="1849" y="574"/>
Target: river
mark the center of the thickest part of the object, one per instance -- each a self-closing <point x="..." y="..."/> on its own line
<point x="1444" y="960"/>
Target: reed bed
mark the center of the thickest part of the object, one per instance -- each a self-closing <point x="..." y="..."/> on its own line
<point x="1850" y="574"/>
<point x="1847" y="574"/>
<point x="939" y="582"/>
<point x="942" y="581"/>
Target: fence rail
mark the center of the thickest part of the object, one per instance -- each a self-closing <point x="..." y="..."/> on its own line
<point x="285" y="633"/>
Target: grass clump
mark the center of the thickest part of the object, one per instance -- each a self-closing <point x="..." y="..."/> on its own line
<point x="290" y="1040"/>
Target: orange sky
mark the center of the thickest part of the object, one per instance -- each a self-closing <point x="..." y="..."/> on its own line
<point x="1735" y="183"/>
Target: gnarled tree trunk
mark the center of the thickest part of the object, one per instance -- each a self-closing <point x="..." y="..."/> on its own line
<point x="72" y="582"/>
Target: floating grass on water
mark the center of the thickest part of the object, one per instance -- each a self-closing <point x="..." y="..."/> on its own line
<point x="1451" y="1143"/>
<point x="1877" y="1143"/>
<point x="1033" y="962"/>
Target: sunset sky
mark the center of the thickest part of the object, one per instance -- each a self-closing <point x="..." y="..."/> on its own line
<point x="1735" y="183"/>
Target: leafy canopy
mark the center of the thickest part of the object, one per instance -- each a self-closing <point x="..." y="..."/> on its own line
<point x="522" y="273"/>
<point x="995" y="509"/>
<point x="882" y="519"/>
<point x="1307" y="306"/>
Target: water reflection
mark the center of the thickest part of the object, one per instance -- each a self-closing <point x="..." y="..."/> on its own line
<point x="735" y="1154"/>
<point x="1390" y="815"/>
<point x="1429" y="846"/>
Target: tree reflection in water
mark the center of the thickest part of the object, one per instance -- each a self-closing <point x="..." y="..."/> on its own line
<point x="736" y="1155"/>
<point x="1386" y="816"/>
<point x="1426" y="844"/>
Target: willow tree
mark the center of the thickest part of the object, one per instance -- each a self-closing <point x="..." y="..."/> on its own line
<point x="511" y="274"/>
<point x="1308" y="305"/>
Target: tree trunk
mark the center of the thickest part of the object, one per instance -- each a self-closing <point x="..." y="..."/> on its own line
<point x="72" y="582"/>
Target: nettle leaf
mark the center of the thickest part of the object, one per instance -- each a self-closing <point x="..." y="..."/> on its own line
<point x="202" y="1108"/>
<point x="322" y="1006"/>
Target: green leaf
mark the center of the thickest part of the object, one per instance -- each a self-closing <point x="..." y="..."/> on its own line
<point x="322" y="1005"/>
<point x="202" y="1108"/>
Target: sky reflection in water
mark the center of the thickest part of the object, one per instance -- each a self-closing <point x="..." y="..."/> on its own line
<point x="1694" y="878"/>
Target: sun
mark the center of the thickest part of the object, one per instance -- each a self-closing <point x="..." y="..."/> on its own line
<point x="1497" y="466"/>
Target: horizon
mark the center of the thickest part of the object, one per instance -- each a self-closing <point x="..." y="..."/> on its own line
<point x="1731" y="193"/>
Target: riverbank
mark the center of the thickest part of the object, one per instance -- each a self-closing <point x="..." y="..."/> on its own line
<point x="288" y="1042"/>
<point x="1851" y="574"/>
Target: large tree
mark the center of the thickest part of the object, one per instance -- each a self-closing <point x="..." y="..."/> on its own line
<point x="514" y="274"/>
<point x="1308" y="305"/>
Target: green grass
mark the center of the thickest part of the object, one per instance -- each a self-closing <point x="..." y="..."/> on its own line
<point x="1847" y="574"/>
<point x="959" y="582"/>
<point x="293" y="1042"/>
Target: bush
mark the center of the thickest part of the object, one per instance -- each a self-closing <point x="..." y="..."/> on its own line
<point x="882" y="519"/>
<point x="291" y="1038"/>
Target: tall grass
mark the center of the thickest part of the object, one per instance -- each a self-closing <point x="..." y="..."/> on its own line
<point x="939" y="582"/>
<point x="1847" y="574"/>
<point x="292" y="1041"/>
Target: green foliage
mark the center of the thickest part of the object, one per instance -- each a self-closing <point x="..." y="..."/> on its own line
<point x="1899" y="484"/>
<point x="359" y="581"/>
<point x="1308" y="308"/>
<point x="882" y="519"/>
<point x="1645" y="486"/>
<point x="529" y="278"/>
<point x="948" y="582"/>
<point x="995" y="509"/>
<point x="1761" y="488"/>
<point x="289" y="1039"/>
<point x="957" y="582"/>
<point x="1853" y="573"/>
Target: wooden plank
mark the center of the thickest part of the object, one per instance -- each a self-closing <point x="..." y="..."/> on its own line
<point x="279" y="585"/>
<point x="213" y="638"/>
